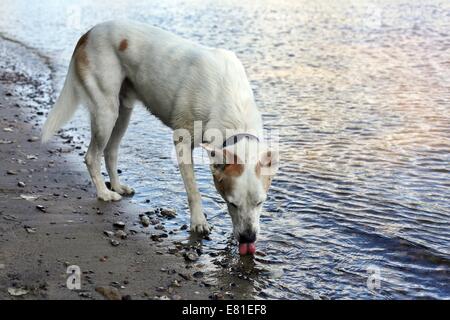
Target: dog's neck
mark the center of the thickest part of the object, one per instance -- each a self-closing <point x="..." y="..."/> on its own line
<point x="236" y="122"/>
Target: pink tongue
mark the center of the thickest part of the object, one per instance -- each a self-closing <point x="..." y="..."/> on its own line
<point x="251" y="248"/>
<point x="247" y="248"/>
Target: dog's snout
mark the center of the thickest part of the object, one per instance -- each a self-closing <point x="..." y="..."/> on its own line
<point x="248" y="236"/>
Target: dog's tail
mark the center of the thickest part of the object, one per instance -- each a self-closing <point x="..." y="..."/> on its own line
<point x="64" y="108"/>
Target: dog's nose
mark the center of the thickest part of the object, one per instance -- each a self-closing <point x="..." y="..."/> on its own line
<point x="248" y="236"/>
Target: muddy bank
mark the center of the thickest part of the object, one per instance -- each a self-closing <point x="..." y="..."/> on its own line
<point x="50" y="219"/>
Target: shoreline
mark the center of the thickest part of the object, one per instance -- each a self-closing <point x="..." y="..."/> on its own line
<point x="50" y="218"/>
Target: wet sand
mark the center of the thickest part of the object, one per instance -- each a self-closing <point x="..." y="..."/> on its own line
<point x="50" y="219"/>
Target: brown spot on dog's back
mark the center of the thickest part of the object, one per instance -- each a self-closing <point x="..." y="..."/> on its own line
<point x="123" y="45"/>
<point x="80" y="56"/>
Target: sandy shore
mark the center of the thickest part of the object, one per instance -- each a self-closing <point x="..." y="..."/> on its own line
<point x="50" y="219"/>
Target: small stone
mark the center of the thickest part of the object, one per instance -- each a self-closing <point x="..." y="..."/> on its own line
<point x="30" y="230"/>
<point x="145" y="220"/>
<point x="108" y="233"/>
<point x="121" y="234"/>
<point x="198" y="274"/>
<point x="184" y="227"/>
<point x="33" y="139"/>
<point x="119" y="225"/>
<point x="168" y="213"/>
<point x="28" y="197"/>
<point x="41" y="208"/>
<point x="191" y="256"/>
<point x="17" y="292"/>
<point x="216" y="296"/>
<point x="156" y="237"/>
<point x="114" y="243"/>
<point x="110" y="293"/>
<point x="85" y="295"/>
<point x="176" y="283"/>
<point x="21" y="184"/>
<point x="161" y="298"/>
<point x="11" y="172"/>
<point x="185" y="276"/>
<point x="159" y="227"/>
<point x="172" y="250"/>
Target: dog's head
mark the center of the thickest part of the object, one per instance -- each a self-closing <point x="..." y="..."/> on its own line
<point x="242" y="175"/>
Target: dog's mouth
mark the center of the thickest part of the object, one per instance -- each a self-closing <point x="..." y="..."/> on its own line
<point x="247" y="248"/>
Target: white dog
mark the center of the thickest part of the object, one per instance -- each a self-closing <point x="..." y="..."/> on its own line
<point x="118" y="63"/>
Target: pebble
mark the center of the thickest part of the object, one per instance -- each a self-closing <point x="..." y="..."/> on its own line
<point x="109" y="293"/>
<point x="30" y="230"/>
<point x="114" y="243"/>
<point x="85" y="295"/>
<point x="145" y="220"/>
<point x="191" y="256"/>
<point x="121" y="234"/>
<point x="198" y="274"/>
<point x="216" y="296"/>
<point x="108" y="233"/>
<point x="172" y="250"/>
<point x="33" y="139"/>
<point x="185" y="276"/>
<point x="41" y="208"/>
<point x="184" y="227"/>
<point x="119" y="225"/>
<point x="17" y="292"/>
<point x="161" y="298"/>
<point x="176" y="283"/>
<point x="11" y="172"/>
<point x="21" y="184"/>
<point x="156" y="237"/>
<point x="168" y="213"/>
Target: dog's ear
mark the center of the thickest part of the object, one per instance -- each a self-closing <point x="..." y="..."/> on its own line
<point x="223" y="161"/>
<point x="269" y="161"/>
<point x="219" y="156"/>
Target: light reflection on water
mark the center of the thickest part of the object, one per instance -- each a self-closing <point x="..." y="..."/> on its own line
<point x="360" y="93"/>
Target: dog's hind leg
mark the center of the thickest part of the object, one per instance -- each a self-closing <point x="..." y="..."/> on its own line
<point x="127" y="100"/>
<point x="101" y="129"/>
<point x="104" y="111"/>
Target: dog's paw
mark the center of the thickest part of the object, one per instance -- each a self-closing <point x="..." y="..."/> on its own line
<point x="200" y="227"/>
<point x="124" y="190"/>
<point x="109" y="196"/>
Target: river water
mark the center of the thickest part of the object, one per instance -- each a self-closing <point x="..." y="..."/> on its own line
<point x="360" y="94"/>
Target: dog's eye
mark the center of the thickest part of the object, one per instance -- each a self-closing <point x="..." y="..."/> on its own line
<point x="233" y="205"/>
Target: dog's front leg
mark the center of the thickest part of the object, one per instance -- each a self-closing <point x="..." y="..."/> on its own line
<point x="186" y="165"/>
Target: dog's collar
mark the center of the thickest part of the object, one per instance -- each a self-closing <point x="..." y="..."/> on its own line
<point x="238" y="137"/>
